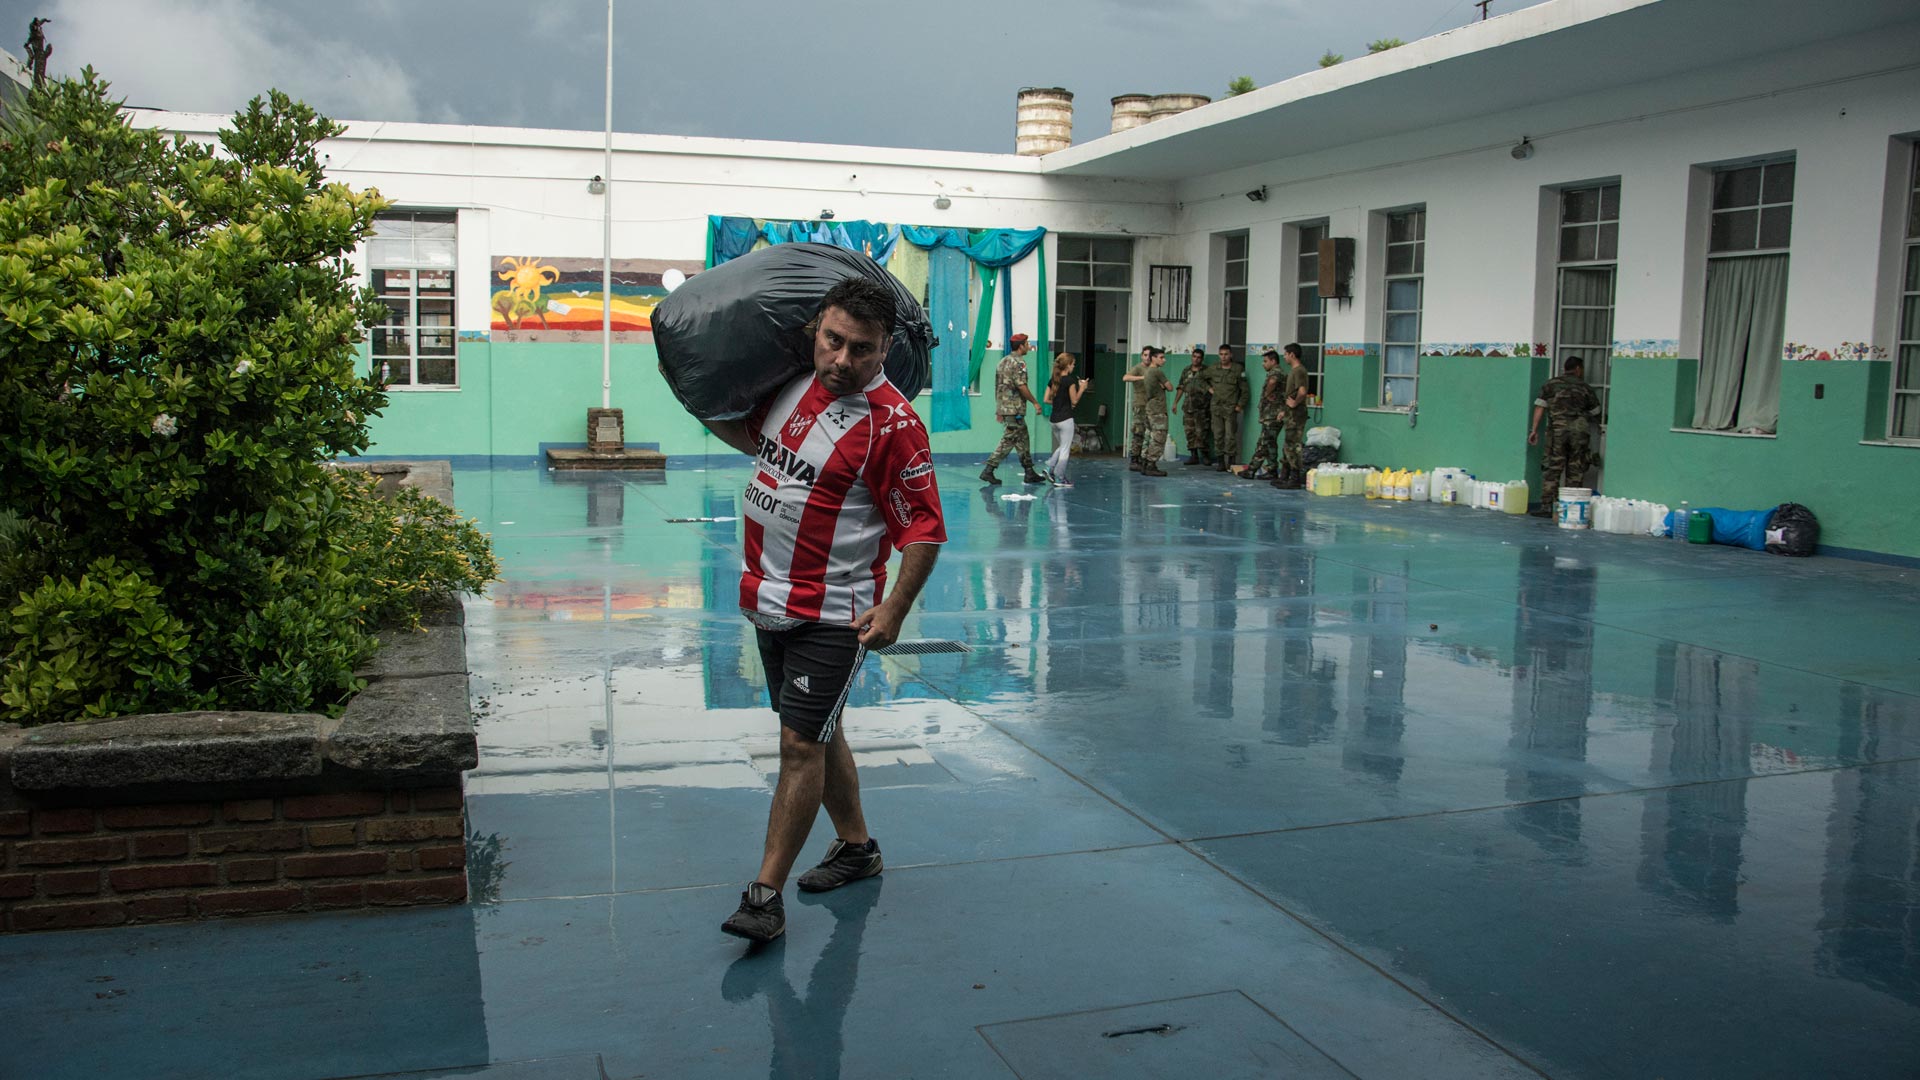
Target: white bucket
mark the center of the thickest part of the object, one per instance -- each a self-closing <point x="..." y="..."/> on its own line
<point x="1575" y="508"/>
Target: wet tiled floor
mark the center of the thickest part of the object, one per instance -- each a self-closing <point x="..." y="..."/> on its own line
<point x="1232" y="783"/>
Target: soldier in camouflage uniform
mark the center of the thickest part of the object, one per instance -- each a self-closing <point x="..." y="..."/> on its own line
<point x="1266" y="453"/>
<point x="1227" y="382"/>
<point x="1153" y="390"/>
<point x="1137" y="431"/>
<point x="1011" y="396"/>
<point x="1193" y="415"/>
<point x="1293" y="409"/>
<point x="1571" y="406"/>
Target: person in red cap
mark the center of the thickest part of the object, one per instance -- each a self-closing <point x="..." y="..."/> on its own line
<point x="1011" y="396"/>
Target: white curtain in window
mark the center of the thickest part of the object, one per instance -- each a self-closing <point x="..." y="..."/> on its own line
<point x="1744" y="330"/>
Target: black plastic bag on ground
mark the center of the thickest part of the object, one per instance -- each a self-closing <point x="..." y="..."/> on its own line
<point x="733" y="335"/>
<point x="1319" y="455"/>
<point x="1793" y="530"/>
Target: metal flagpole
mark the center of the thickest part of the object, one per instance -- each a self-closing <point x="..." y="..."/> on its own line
<point x="606" y="250"/>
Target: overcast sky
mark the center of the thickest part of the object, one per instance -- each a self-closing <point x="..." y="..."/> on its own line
<point x="910" y="73"/>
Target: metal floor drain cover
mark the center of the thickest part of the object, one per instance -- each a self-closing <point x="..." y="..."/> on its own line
<point x="924" y="646"/>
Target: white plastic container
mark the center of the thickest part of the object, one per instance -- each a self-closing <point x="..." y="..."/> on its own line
<point x="1514" y="496"/>
<point x="1418" y="488"/>
<point x="1574" y="508"/>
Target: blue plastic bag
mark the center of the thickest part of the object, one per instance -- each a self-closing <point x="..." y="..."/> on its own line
<point x="1739" y="528"/>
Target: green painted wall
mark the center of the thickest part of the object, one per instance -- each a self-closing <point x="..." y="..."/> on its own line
<point x="1473" y="415"/>
<point x="1863" y="494"/>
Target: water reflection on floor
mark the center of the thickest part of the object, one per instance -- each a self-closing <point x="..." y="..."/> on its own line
<point x="1266" y="784"/>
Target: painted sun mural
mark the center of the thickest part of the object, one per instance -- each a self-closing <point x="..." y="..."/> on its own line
<point x="543" y="299"/>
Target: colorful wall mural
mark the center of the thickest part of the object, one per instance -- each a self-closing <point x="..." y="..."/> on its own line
<point x="545" y="299"/>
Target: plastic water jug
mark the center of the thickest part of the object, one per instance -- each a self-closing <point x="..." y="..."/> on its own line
<point x="1417" y="488"/>
<point x="1353" y="482"/>
<point x="1514" y="499"/>
<point x="1372" y="488"/>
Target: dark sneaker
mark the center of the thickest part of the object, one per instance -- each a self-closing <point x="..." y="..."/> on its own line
<point x="761" y="915"/>
<point x="844" y="862"/>
<point x="987" y="477"/>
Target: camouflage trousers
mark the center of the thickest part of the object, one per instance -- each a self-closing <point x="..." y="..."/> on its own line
<point x="1013" y="440"/>
<point x="1199" y="427"/>
<point x="1137" y="435"/>
<point x="1156" y="439"/>
<point x="1266" y="453"/>
<point x="1293" y="457"/>
<point x="1226" y="435"/>
<point x="1568" y="452"/>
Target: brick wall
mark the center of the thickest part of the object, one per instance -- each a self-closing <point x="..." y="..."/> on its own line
<point x="105" y="866"/>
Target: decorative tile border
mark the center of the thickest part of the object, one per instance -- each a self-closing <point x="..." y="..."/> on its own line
<point x="476" y="335"/>
<point x="1846" y="350"/>
<point x="1347" y="348"/>
<point x="1648" y="348"/>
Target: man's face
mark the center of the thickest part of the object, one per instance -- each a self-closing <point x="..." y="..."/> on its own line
<point x="847" y="353"/>
<point x="1226" y="355"/>
<point x="1269" y="363"/>
<point x="1199" y="357"/>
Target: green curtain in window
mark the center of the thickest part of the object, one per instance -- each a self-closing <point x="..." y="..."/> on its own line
<point x="1741" y="339"/>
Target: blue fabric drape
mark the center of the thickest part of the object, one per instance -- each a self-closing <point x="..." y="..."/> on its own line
<point x="732" y="237"/>
<point x="1006" y="305"/>
<point x="988" y="247"/>
<point x="947" y="309"/>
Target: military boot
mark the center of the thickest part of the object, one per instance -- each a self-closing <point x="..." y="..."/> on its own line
<point x="987" y="477"/>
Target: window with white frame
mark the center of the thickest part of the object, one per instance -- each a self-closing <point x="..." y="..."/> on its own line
<point x="1234" y="291"/>
<point x="1404" y="284"/>
<point x="1744" y="320"/>
<point x="1904" y="423"/>
<point x="1309" y="309"/>
<point x="1589" y="250"/>
<point x="410" y="260"/>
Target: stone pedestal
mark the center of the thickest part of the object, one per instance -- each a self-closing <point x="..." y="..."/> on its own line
<point x="606" y="431"/>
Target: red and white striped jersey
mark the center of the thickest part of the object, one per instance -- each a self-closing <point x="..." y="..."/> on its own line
<point x="841" y="482"/>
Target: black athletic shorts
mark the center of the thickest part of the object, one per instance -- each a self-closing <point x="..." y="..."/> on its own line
<point x="810" y="669"/>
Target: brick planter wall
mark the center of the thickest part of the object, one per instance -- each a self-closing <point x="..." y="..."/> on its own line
<point x="106" y="866"/>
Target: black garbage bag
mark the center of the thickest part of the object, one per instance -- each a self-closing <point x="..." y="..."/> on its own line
<point x="733" y="335"/>
<point x="1318" y="455"/>
<point x="1793" y="530"/>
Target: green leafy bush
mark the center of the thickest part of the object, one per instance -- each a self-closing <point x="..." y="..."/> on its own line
<point x="407" y="548"/>
<point x="178" y="329"/>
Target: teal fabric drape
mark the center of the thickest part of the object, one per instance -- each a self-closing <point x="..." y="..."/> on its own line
<point x="987" y="247"/>
<point x="947" y="307"/>
<point x="1742" y="336"/>
<point x="982" y="326"/>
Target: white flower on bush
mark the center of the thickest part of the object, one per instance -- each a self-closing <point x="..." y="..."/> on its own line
<point x="351" y="418"/>
<point x="243" y="367"/>
<point x="164" y="424"/>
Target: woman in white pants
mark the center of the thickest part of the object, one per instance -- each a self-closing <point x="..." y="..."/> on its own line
<point x="1063" y="396"/>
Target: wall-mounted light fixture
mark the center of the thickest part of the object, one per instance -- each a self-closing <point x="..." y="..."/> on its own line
<point x="1258" y="194"/>
<point x="1523" y="149"/>
<point x="941" y="202"/>
<point x="826" y="215"/>
<point x="596" y="186"/>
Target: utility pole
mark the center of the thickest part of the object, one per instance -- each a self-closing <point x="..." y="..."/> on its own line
<point x="1482" y="5"/>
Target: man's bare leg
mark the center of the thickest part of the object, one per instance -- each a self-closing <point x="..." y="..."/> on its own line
<point x="796" y="802"/>
<point x="841" y="794"/>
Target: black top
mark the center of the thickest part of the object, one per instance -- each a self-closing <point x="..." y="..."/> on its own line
<point x="1063" y="398"/>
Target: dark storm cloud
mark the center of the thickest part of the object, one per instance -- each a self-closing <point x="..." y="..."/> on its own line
<point x="912" y="74"/>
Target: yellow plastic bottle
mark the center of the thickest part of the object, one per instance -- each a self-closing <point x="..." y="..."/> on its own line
<point x="1373" y="483"/>
<point x="1312" y="475"/>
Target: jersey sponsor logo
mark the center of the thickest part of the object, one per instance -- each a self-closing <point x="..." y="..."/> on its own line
<point x="797" y="424"/>
<point x="918" y="475"/>
<point x="899" y="425"/>
<point x="839" y="417"/>
<point x="802" y="684"/>
<point x="783" y="462"/>
<point x="761" y="499"/>
<point x="896" y="412"/>
<point x="901" y="510"/>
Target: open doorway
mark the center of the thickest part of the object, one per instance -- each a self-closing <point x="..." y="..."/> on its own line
<point x="1091" y="317"/>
